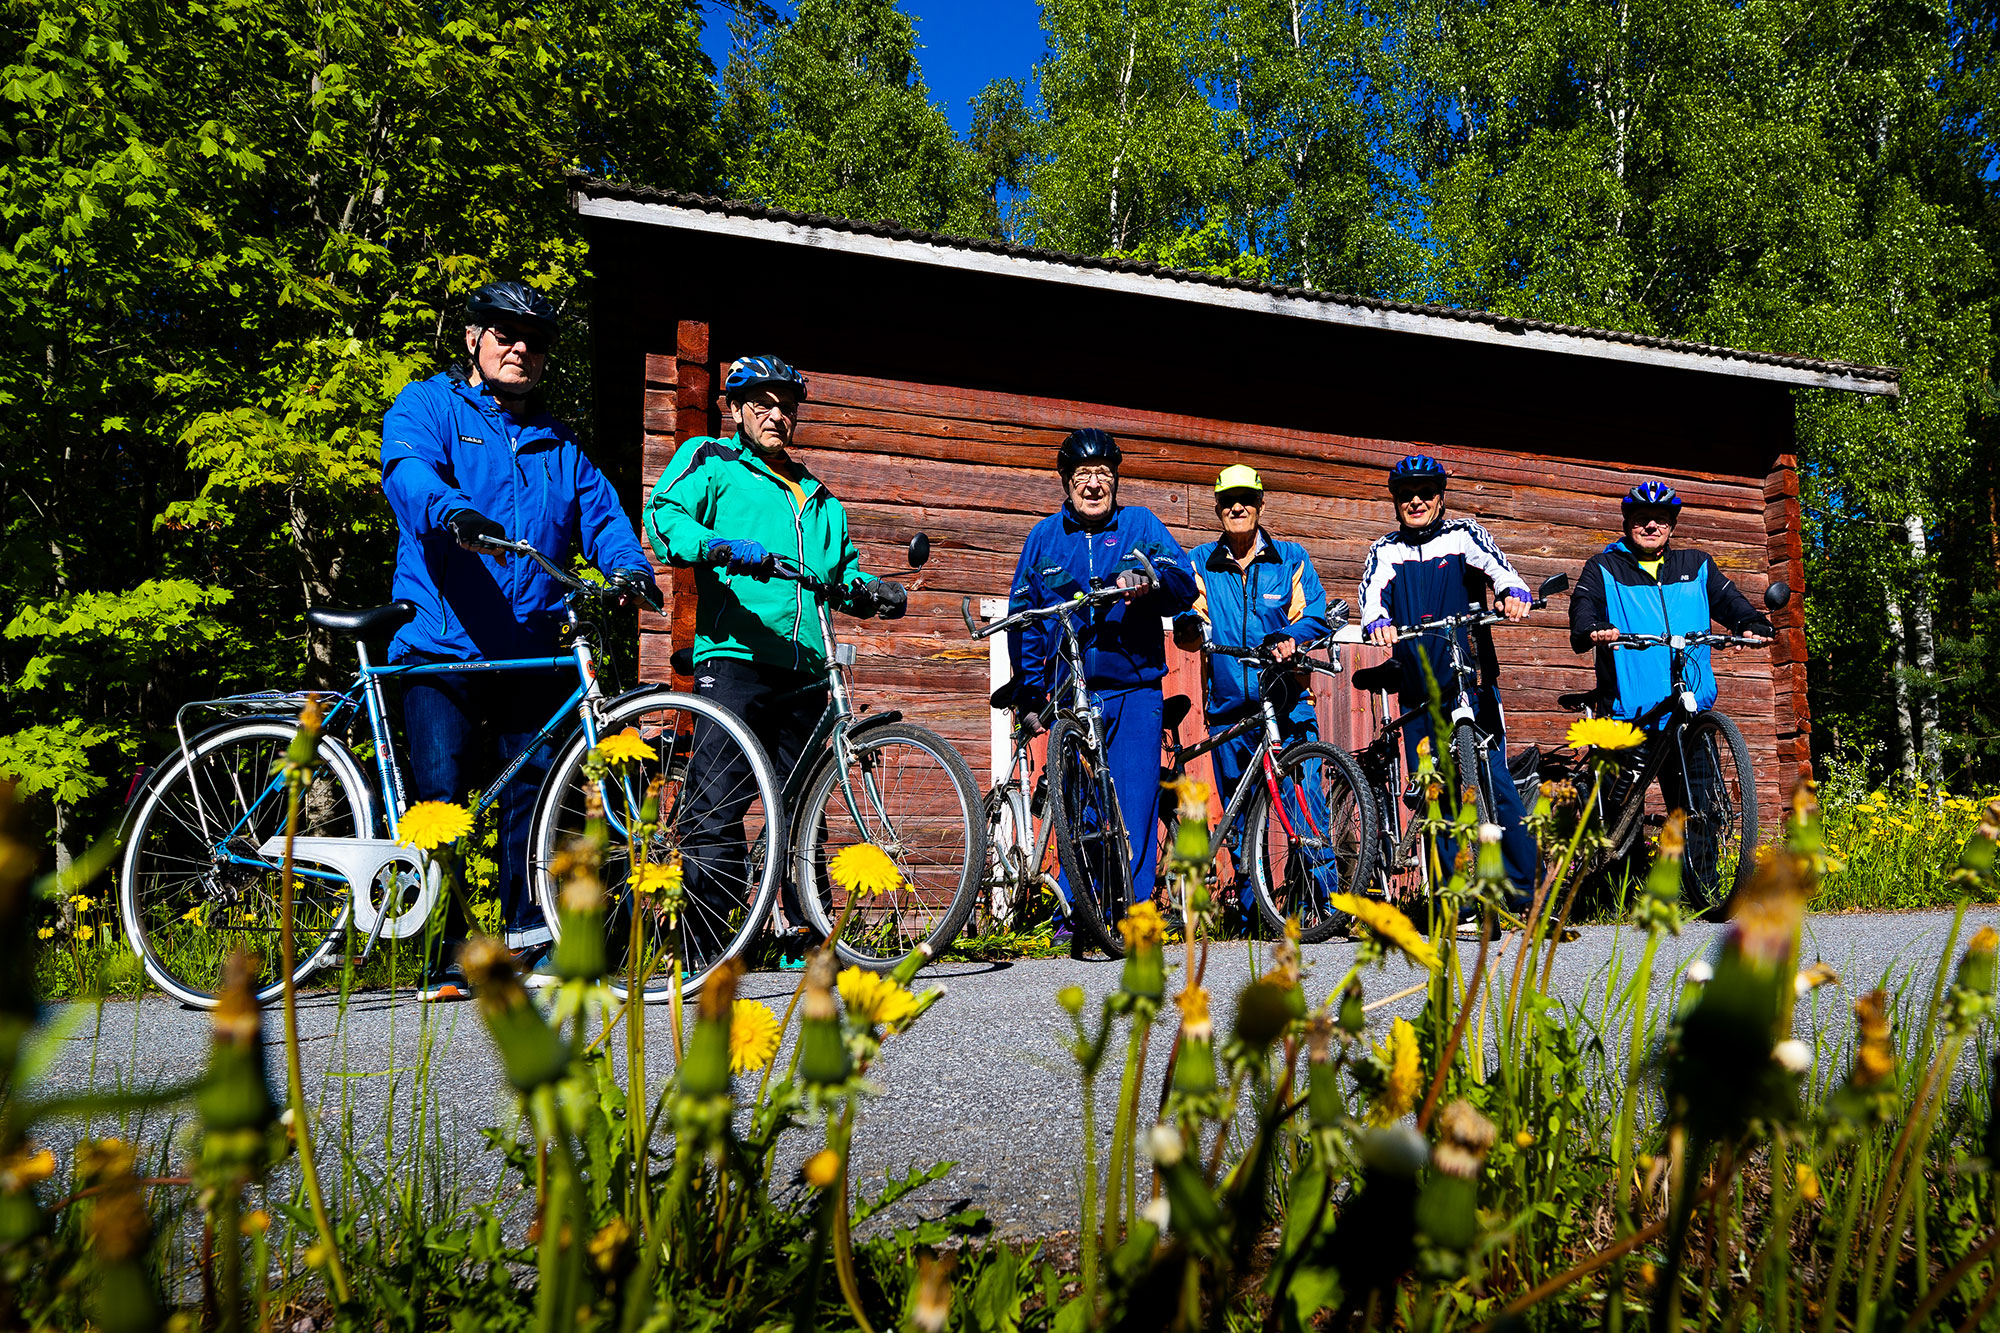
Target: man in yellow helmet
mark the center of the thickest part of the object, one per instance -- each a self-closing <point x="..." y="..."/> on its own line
<point x="1251" y="590"/>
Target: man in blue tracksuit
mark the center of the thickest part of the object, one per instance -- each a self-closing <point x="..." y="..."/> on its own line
<point x="470" y="454"/>
<point x="1093" y="542"/>
<point x="1644" y="584"/>
<point x="1431" y="567"/>
<point x="1252" y="590"/>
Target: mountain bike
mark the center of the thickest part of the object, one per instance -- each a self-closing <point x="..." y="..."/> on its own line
<point x="1092" y="842"/>
<point x="877" y="779"/>
<point x="1694" y="759"/>
<point x="1308" y="828"/>
<point x="1394" y="795"/>
<point x="204" y="837"/>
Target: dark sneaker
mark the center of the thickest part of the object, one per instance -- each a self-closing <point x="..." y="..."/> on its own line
<point x="537" y="964"/>
<point x="445" y="983"/>
<point x="793" y="946"/>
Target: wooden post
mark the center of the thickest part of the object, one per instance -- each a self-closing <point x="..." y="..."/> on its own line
<point x="679" y="406"/>
<point x="1792" y="709"/>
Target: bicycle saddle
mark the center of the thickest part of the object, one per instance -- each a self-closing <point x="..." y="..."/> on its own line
<point x="1175" y="712"/>
<point x="1386" y="677"/>
<point x="1581" y="700"/>
<point x="369" y="620"/>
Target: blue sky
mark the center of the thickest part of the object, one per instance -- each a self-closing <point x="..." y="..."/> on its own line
<point x="965" y="45"/>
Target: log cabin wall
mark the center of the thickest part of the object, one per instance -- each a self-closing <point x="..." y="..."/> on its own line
<point x="938" y="399"/>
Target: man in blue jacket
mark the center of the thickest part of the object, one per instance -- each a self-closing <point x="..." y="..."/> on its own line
<point x="1093" y="542"/>
<point x="1252" y="590"/>
<point x="1644" y="584"/>
<point x="470" y="454"/>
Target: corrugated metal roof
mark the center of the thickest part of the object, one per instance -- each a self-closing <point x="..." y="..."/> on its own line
<point x="663" y="206"/>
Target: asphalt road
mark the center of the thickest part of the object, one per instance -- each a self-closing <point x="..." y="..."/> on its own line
<point x="985" y="1080"/>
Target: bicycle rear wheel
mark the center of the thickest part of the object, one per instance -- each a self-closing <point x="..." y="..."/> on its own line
<point x="194" y="888"/>
<point x="1318" y="841"/>
<point x="911" y="794"/>
<point x="1720" y="790"/>
<point x="716" y="821"/>
<point x="1090" y="836"/>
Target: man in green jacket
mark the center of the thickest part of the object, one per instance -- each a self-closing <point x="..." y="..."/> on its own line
<point x="728" y="507"/>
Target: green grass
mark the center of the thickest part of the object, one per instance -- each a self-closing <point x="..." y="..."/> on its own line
<point x="1897" y="843"/>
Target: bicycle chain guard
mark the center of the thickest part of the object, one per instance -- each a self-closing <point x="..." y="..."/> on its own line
<point x="361" y="862"/>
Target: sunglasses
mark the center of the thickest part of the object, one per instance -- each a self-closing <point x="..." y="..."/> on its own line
<point x="1418" y="493"/>
<point x="536" y="341"/>
<point x="1239" y="500"/>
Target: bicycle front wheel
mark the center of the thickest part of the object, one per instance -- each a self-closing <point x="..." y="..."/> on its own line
<point x="1090" y="836"/>
<point x="1465" y="755"/>
<point x="909" y="793"/>
<point x="1316" y="841"/>
<point x="716" y="823"/>
<point x="1719" y="793"/>
<point x="194" y="887"/>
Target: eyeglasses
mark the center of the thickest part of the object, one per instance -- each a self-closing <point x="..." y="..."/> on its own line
<point x="1653" y="518"/>
<point x="782" y="408"/>
<point x="536" y="341"/>
<point x="1103" y="474"/>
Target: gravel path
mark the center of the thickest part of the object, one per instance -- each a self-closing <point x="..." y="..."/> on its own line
<point x="985" y="1080"/>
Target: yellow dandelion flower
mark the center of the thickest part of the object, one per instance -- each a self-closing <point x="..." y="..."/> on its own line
<point x="256" y="1223"/>
<point x="430" y="825"/>
<point x="1142" y="927"/>
<point x="1808" y="1181"/>
<point x="627" y="747"/>
<point x="1190" y="798"/>
<point x="753" y="1036"/>
<point x="1399" y="1092"/>
<point x="46" y="933"/>
<point x="873" y="999"/>
<point x="822" y="1168"/>
<point x="25" y="1167"/>
<point x="864" y="869"/>
<point x="1389" y="925"/>
<point x="192" y="915"/>
<point x="658" y="876"/>
<point x="1604" y="733"/>
<point x="82" y="902"/>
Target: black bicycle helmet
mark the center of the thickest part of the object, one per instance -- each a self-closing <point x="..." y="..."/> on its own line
<point x="1089" y="445"/>
<point x="1415" y="472"/>
<point x="755" y="372"/>
<point x="516" y="302"/>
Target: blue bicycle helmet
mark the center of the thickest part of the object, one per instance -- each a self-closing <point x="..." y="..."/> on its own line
<point x="755" y="372"/>
<point x="1416" y="472"/>
<point x="1651" y="495"/>
<point x="513" y="301"/>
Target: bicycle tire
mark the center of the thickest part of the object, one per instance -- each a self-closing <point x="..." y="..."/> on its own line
<point x="1465" y="754"/>
<point x="1100" y="884"/>
<point x="711" y="930"/>
<point x="936" y="835"/>
<point x="1006" y="891"/>
<point x="1728" y="830"/>
<point x="1350" y="833"/>
<point x="161" y="882"/>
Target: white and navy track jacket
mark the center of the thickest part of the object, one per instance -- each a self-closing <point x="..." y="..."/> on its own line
<point x="1442" y="570"/>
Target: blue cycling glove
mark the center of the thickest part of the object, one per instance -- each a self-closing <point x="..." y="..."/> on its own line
<point x="742" y="557"/>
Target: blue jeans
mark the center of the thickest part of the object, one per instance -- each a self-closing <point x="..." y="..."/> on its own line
<point x="1522" y="858"/>
<point x="1231" y="759"/>
<point x="1132" y="753"/>
<point x="452" y="720"/>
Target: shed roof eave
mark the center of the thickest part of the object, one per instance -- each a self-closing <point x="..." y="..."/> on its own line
<point x="1602" y="345"/>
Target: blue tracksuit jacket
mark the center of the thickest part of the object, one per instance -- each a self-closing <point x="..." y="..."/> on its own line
<point x="1122" y="643"/>
<point x="1614" y="592"/>
<point x="1278" y="594"/>
<point x="448" y="445"/>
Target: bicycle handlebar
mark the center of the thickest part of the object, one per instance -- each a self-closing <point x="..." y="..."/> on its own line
<point x="501" y="546"/>
<point x="1066" y="607"/>
<point x="1699" y="639"/>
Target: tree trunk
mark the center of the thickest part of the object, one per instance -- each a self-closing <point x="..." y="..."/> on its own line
<point x="1923" y="654"/>
<point x="1899" y="689"/>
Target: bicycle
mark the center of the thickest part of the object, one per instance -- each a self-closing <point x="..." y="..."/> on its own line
<point x="1323" y="836"/>
<point x="1018" y="827"/>
<point x="900" y="786"/>
<point x="1713" y="763"/>
<point x="1397" y="836"/>
<point x="1092" y="843"/>
<point x="204" y="839"/>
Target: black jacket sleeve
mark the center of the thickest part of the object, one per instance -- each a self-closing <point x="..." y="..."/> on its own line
<point x="1731" y="608"/>
<point x="1586" y="605"/>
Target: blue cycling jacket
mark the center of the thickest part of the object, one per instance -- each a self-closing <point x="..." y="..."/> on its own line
<point x="449" y="445"/>
<point x="1278" y="594"/>
<point x="1616" y="592"/>
<point x="1123" y="644"/>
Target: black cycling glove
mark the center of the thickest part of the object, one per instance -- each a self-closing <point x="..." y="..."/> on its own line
<point x="892" y="599"/>
<point x="469" y="525"/>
